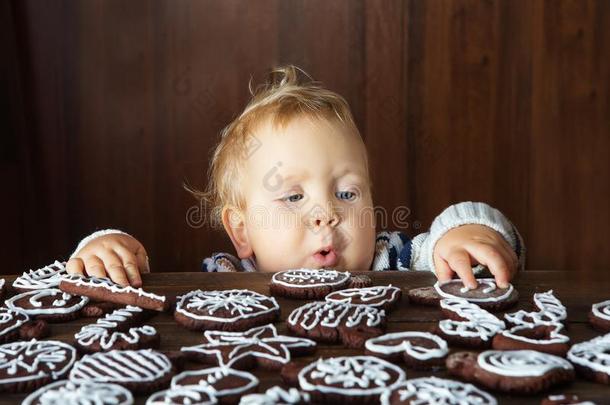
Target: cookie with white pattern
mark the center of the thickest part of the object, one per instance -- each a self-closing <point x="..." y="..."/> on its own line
<point x="308" y="283"/>
<point x="548" y="310"/>
<point x="71" y="393"/>
<point x="563" y="399"/>
<point x="592" y="359"/>
<point x="382" y="296"/>
<point x="599" y="317"/>
<point x="418" y="350"/>
<point x="547" y="338"/>
<point x="277" y="396"/>
<point x="432" y="390"/>
<point x="40" y="279"/>
<point x="225" y="384"/>
<point x="50" y="304"/>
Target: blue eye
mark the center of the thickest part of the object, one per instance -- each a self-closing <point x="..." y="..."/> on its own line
<point x="346" y="195"/>
<point x="293" y="198"/>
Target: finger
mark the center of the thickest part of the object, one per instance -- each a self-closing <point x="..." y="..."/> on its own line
<point x="114" y="267"/>
<point x="130" y="264"/>
<point x="512" y="258"/>
<point x="459" y="261"/>
<point x="443" y="271"/>
<point x="94" y="266"/>
<point x="495" y="261"/>
<point x="75" y="266"/>
<point x="142" y="257"/>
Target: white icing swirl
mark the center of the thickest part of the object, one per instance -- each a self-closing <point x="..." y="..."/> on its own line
<point x="520" y="363"/>
<point x="550" y="311"/>
<point x="487" y="285"/>
<point x="376" y="296"/>
<point x="477" y="322"/>
<point x="8" y="316"/>
<point x="602" y="310"/>
<point x="86" y="393"/>
<point x="333" y="314"/>
<point x="46" y="277"/>
<point x="379" y="345"/>
<point x="593" y="354"/>
<point x="37" y="298"/>
<point x="182" y="396"/>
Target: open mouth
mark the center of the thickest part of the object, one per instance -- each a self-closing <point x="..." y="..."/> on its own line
<point x="326" y="257"/>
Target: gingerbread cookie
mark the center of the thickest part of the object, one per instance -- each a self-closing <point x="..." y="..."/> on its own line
<point x="421" y="350"/>
<point x="11" y="322"/>
<point x="226" y="384"/>
<point x="360" y="281"/>
<point x="46" y="277"/>
<point x="334" y="321"/>
<point x="118" y="331"/>
<point x="513" y="371"/>
<point x="592" y="358"/>
<point x="432" y="390"/>
<point x="562" y="399"/>
<point x="71" y="393"/>
<point x="229" y="310"/>
<point x="182" y="396"/>
<point x="103" y="289"/>
<point x="244" y="350"/>
<point x="50" y="304"/>
<point x="139" y="371"/>
<point x="599" y="317"/>
<point x="2" y="288"/>
<point x="308" y="283"/>
<point x="276" y="396"/>
<point x="26" y="366"/>
<point x="469" y="325"/>
<point x="383" y="296"/>
<point x="549" y="311"/>
<point x="350" y="379"/>
<point x="543" y="337"/>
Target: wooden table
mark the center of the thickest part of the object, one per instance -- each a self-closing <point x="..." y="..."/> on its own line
<point x="575" y="292"/>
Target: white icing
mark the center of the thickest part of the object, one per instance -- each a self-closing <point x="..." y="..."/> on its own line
<point x="487" y="284"/>
<point x="210" y="379"/>
<point x="478" y="322"/>
<point x="122" y="366"/>
<point x="107" y="330"/>
<point x="550" y="311"/>
<point x="260" y="342"/>
<point x="70" y="393"/>
<point x="554" y="337"/>
<point x="35" y="359"/>
<point x="241" y="304"/>
<point x="107" y="284"/>
<point x="602" y="310"/>
<point x="378" y="345"/>
<point x="310" y="278"/>
<point x="438" y="391"/>
<point x="46" y="277"/>
<point x="182" y="396"/>
<point x="276" y="395"/>
<point x="520" y="363"/>
<point x="354" y="375"/>
<point x="376" y="296"/>
<point x="333" y="314"/>
<point x="10" y="315"/>
<point x="593" y="354"/>
<point x="36" y="298"/>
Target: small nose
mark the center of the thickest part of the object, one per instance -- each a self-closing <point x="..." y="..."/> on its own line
<point x="321" y="217"/>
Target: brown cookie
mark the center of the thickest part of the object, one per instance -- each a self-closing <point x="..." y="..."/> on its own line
<point x="68" y="392"/>
<point x="432" y="390"/>
<point x="226" y="384"/>
<point x="261" y="346"/>
<point x="419" y="350"/>
<point x="599" y="317"/>
<point x="562" y="399"/>
<point x="333" y="321"/>
<point x="182" y="395"/>
<point x="383" y="296"/>
<point x="360" y="281"/>
<point x="37" y="329"/>
<point x="40" y="279"/>
<point x="11" y="323"/>
<point x="487" y="295"/>
<point x="50" y="304"/>
<point x="547" y="338"/>
<point x="103" y="289"/>
<point x="549" y="310"/>
<point x="424" y="296"/>
<point x="308" y="283"/>
<point x="513" y="371"/>
<point x="228" y="310"/>
<point x="277" y="396"/>
<point x="591" y="358"/>
<point x="98" y="309"/>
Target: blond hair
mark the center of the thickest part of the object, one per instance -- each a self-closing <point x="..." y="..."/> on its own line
<point x="282" y="98"/>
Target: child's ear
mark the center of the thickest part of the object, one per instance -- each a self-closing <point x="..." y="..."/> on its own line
<point x="235" y="226"/>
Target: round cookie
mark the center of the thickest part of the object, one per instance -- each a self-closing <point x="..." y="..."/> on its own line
<point x="276" y="396"/>
<point x="545" y="338"/>
<point x="244" y="350"/>
<point x="424" y="296"/>
<point x="592" y="358"/>
<point x="350" y="379"/>
<point x="549" y="311"/>
<point x="308" y="283"/>
<point x="420" y="350"/>
<point x="383" y="296"/>
<point x="226" y="384"/>
<point x="432" y="390"/>
<point x="46" y="277"/>
<point x="228" y="310"/>
<point x="139" y="371"/>
<point x="182" y="396"/>
<point x="487" y="295"/>
<point x="11" y="322"/>
<point x="333" y="321"/>
<point x="26" y="366"/>
<point x="561" y="399"/>
<point x="71" y="393"/>
<point x="599" y="317"/>
<point x="513" y="371"/>
<point x="50" y="304"/>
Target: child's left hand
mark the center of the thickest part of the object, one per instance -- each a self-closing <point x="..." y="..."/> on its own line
<point x="462" y="247"/>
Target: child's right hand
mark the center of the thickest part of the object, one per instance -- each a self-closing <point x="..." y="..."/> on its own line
<point x="118" y="256"/>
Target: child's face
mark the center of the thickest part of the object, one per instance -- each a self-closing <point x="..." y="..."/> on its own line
<point x="308" y="200"/>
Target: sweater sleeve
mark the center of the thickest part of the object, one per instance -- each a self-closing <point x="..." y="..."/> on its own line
<point x="94" y="235"/>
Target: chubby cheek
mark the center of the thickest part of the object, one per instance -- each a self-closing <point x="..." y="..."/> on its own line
<point x="360" y="238"/>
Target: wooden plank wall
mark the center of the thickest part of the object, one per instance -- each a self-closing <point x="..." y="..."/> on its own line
<point x="109" y="106"/>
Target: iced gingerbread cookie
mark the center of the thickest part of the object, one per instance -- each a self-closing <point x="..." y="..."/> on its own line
<point x="26" y="366"/>
<point x="513" y="371"/>
<point x="277" y="396"/>
<point x="333" y="322"/>
<point x="468" y="325"/>
<point x="225" y="384"/>
<point x="182" y="396"/>
<point x="139" y="371"/>
<point x="103" y="289"/>
<point x="261" y="346"/>
<point x="13" y="325"/>
<point x="549" y="311"/>
<point x="383" y="296"/>
<point x="420" y="350"/>
<point x="51" y="304"/>
<point x="487" y="295"/>
<point x="599" y="317"/>
<point x="436" y="391"/>
<point x="562" y="399"/>
<point x="547" y="338"/>
<point x="592" y="358"/>
<point x="229" y="310"/>
<point x="119" y="330"/>
<point x="350" y="379"/>
<point x="46" y="277"/>
<point x="71" y="393"/>
<point x="308" y="283"/>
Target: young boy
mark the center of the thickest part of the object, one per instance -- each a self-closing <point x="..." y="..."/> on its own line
<point x="289" y="181"/>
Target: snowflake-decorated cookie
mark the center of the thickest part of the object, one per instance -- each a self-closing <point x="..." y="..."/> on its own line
<point x="432" y="390"/>
<point x="308" y="283"/>
<point x="45" y="277"/>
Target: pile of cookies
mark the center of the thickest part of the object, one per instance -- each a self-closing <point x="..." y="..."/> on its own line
<point x="117" y="355"/>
